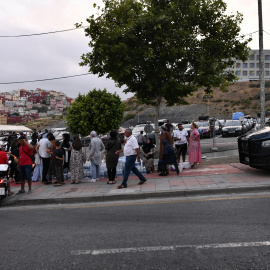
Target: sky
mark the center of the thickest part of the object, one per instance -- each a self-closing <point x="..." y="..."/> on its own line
<point x="58" y="55"/>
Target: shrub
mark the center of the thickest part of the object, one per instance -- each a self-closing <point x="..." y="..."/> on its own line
<point x="129" y="116"/>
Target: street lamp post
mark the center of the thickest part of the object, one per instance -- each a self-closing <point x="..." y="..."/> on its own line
<point x="261" y="63"/>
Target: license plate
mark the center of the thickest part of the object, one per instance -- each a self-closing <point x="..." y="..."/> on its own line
<point x="231" y="131"/>
<point x="2" y="191"/>
<point x="247" y="159"/>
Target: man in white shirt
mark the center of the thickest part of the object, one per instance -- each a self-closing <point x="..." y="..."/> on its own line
<point x="43" y="149"/>
<point x="181" y="138"/>
<point x="131" y="152"/>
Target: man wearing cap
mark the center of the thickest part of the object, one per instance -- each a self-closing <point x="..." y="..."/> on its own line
<point x="131" y="152"/>
<point x="181" y="139"/>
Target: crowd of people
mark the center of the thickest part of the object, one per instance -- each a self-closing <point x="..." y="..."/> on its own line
<point x="45" y="158"/>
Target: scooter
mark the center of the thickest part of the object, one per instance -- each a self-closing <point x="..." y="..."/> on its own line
<point x="3" y="181"/>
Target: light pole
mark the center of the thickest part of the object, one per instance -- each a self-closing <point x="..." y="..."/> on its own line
<point x="208" y="103"/>
<point x="261" y="63"/>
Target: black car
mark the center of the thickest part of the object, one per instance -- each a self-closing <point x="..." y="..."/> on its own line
<point x="233" y="128"/>
<point x="254" y="148"/>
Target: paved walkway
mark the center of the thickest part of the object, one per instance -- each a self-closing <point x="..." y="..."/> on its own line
<point x="210" y="179"/>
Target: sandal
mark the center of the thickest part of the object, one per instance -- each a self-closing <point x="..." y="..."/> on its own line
<point x="121" y="186"/>
<point x="112" y="182"/>
<point x="9" y="194"/>
<point x="58" y="185"/>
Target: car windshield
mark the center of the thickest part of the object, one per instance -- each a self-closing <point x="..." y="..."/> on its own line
<point x="187" y="126"/>
<point x="232" y="123"/>
<point x="202" y="124"/>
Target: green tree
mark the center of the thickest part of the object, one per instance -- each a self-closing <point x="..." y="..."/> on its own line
<point x="164" y="48"/>
<point x="98" y="110"/>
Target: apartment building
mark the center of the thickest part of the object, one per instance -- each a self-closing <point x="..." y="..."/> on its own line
<point x="249" y="70"/>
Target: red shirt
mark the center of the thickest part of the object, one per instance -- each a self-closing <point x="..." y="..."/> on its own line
<point x="3" y="157"/>
<point x="24" y="158"/>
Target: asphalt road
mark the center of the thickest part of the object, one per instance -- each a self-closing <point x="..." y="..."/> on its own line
<point x="193" y="233"/>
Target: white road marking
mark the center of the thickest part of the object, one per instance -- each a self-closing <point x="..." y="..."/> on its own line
<point x="166" y="248"/>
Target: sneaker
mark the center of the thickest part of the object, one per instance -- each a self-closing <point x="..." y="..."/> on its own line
<point x="97" y="179"/>
<point x="29" y="191"/>
<point x="93" y="180"/>
<point x="20" y="192"/>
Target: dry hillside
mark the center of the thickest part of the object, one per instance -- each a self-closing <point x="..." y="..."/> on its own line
<point x="240" y="96"/>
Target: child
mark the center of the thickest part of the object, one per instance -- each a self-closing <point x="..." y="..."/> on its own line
<point x="39" y="167"/>
<point x="58" y="155"/>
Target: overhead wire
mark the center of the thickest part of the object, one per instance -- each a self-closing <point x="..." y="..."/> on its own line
<point x="51" y="79"/>
<point x="45" y="33"/>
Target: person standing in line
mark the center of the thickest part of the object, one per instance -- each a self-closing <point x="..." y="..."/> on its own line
<point x="39" y="167"/>
<point x="131" y="152"/>
<point x="43" y="147"/>
<point x="51" y="170"/>
<point x="148" y="150"/>
<point x="66" y="146"/>
<point x="195" y="154"/>
<point x="25" y="164"/>
<point x="58" y="156"/>
<point x="14" y="157"/>
<point x="181" y="139"/>
<point x="165" y="135"/>
<point x="77" y="159"/>
<point x="34" y="137"/>
<point x="96" y="146"/>
<point x="112" y="145"/>
<point x="169" y="126"/>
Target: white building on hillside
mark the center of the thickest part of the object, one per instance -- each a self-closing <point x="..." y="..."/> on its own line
<point x="249" y="70"/>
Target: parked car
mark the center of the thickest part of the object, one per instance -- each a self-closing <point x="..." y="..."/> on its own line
<point x="206" y="128"/>
<point x="254" y="148"/>
<point x="233" y="128"/>
<point x="187" y="128"/>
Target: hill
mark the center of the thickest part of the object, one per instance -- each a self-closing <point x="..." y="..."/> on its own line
<point x="240" y="96"/>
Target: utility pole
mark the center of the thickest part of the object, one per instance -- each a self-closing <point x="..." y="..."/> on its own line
<point x="261" y="55"/>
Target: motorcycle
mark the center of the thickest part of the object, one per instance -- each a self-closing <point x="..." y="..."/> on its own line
<point x="3" y="181"/>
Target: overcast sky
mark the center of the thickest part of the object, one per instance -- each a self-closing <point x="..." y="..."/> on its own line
<point x="57" y="55"/>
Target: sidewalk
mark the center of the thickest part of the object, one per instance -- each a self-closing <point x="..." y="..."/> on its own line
<point x="205" y="180"/>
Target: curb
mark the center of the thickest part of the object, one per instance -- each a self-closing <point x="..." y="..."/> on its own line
<point x="141" y="196"/>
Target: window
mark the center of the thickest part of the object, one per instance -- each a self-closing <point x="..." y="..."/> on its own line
<point x="258" y="73"/>
<point x="258" y="65"/>
<point x="267" y="57"/>
<point x="251" y="65"/>
<point x="251" y="57"/>
<point x="238" y="65"/>
<point x="238" y="72"/>
<point x="244" y="65"/>
<point x="267" y="65"/>
<point x="244" y="73"/>
<point x="267" y="73"/>
<point x="257" y="57"/>
<point x="251" y="73"/>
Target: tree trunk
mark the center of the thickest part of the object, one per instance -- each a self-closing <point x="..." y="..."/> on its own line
<point x="157" y="108"/>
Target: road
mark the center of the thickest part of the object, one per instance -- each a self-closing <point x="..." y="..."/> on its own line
<point x="192" y="233"/>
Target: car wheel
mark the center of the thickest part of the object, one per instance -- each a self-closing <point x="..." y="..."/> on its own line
<point x="223" y="135"/>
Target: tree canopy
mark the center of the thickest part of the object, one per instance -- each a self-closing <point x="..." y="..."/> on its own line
<point x="98" y="110"/>
<point x="164" y="48"/>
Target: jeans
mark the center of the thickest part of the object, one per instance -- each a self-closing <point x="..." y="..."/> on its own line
<point x="95" y="170"/>
<point x="130" y="166"/>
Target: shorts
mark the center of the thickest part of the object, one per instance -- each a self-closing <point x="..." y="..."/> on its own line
<point x="26" y="172"/>
<point x="181" y="149"/>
